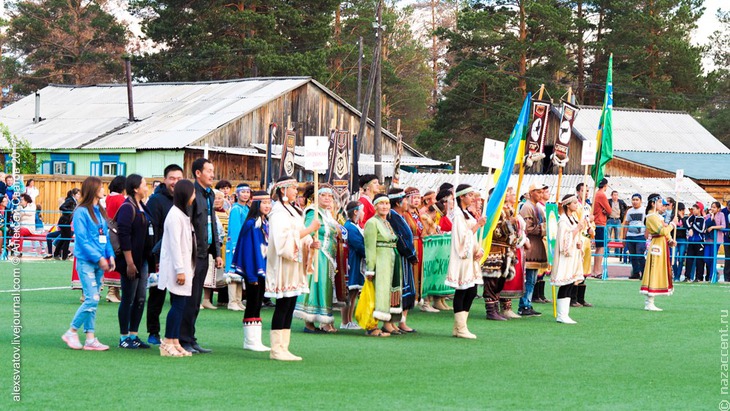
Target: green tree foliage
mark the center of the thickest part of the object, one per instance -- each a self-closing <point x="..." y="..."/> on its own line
<point x="655" y="64"/>
<point x="25" y="160"/>
<point x="500" y="51"/>
<point x="715" y="113"/>
<point x="218" y="40"/>
<point x="63" y="41"/>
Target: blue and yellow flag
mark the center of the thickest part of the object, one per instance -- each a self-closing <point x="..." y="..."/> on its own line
<point x="495" y="202"/>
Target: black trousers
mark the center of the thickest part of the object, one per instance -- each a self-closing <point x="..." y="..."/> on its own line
<point x="464" y="298"/>
<point x="726" y="266"/>
<point x="192" y="305"/>
<point x="694" y="261"/>
<point x="134" y="293"/>
<point x="254" y="296"/>
<point x="565" y="290"/>
<point x="63" y="242"/>
<point x="155" y="302"/>
<point x="283" y="313"/>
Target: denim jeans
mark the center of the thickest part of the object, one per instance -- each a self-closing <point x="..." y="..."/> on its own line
<point x="175" y="315"/>
<point x="710" y="253"/>
<point x="613" y="225"/>
<point x="637" y="248"/>
<point x="134" y="295"/>
<point x="679" y="252"/>
<point x="90" y="276"/>
<point x="50" y="237"/>
<point x="530" y="279"/>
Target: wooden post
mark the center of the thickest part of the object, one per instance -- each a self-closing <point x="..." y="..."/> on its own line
<point x="315" y="261"/>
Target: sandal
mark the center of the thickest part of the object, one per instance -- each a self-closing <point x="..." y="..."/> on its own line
<point x="412" y="330"/>
<point x="330" y="330"/>
<point x="394" y="332"/>
<point x="377" y="333"/>
<point x="313" y="331"/>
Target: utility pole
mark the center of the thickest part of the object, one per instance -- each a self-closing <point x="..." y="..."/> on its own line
<point x="378" y="135"/>
<point x="359" y="76"/>
<point x="362" y="130"/>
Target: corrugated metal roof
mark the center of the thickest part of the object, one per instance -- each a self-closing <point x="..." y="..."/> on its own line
<point x="650" y="130"/>
<point x="171" y="116"/>
<point x="626" y="186"/>
<point x="696" y="165"/>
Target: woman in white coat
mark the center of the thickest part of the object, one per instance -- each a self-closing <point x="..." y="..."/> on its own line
<point x="289" y="243"/>
<point x="177" y="265"/>
<point x="568" y="260"/>
<point x="464" y="274"/>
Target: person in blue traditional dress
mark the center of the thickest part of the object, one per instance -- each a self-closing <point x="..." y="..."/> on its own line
<point x="405" y="260"/>
<point x="316" y="307"/>
<point x="353" y="235"/>
<point x="249" y="261"/>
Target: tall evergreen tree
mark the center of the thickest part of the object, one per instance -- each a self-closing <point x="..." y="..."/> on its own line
<point x="216" y="40"/>
<point x="655" y="64"/>
<point x="64" y="41"/>
<point x="715" y="113"/>
<point x="501" y="49"/>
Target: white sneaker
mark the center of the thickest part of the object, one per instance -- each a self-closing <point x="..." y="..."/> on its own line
<point x="354" y="326"/>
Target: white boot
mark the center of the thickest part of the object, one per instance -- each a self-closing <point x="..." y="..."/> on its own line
<point x="460" y="324"/>
<point x="563" y="306"/>
<point x="288" y="356"/>
<point x="252" y="337"/>
<point x="649" y="304"/>
<point x="276" y="352"/>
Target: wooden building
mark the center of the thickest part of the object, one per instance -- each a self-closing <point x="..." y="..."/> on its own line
<point x="93" y="130"/>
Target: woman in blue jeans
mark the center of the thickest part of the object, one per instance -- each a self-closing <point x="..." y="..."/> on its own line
<point x="136" y="241"/>
<point x="715" y="222"/>
<point x="94" y="255"/>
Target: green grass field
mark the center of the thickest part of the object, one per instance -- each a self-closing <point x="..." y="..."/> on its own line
<point x="617" y="357"/>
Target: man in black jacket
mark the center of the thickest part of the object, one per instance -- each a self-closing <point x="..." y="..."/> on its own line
<point x="159" y="205"/>
<point x="618" y="212"/>
<point x="207" y="241"/>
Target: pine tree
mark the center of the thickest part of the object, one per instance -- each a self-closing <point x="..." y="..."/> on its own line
<point x="64" y="41"/>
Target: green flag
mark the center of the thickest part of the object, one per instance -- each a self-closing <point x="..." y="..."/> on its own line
<point x="604" y="138"/>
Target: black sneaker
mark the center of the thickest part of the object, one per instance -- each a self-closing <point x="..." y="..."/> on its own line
<point x="529" y="312"/>
<point x="139" y="343"/>
<point x="128" y="343"/>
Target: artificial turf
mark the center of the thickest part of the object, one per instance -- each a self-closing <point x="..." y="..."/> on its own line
<point x="618" y="356"/>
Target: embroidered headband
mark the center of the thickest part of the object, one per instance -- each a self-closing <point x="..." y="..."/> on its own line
<point x="465" y="191"/>
<point x="260" y="196"/>
<point x="396" y="195"/>
<point x="243" y="187"/>
<point x="357" y="207"/>
<point x="412" y="191"/>
<point x="286" y="183"/>
<point x="325" y="190"/>
<point x="569" y="200"/>
<point x="381" y="199"/>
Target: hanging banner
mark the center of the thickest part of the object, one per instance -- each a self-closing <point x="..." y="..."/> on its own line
<point x="551" y="216"/>
<point x="396" y="163"/>
<point x="286" y="165"/>
<point x="562" y="140"/>
<point x="338" y="173"/>
<point x="538" y="130"/>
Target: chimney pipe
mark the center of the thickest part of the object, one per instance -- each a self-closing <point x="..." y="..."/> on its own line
<point x="37" y="117"/>
<point x="128" y="73"/>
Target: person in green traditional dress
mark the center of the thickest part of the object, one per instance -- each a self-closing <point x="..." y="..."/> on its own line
<point x="380" y="256"/>
<point x="657" y="279"/>
<point x="316" y="307"/>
